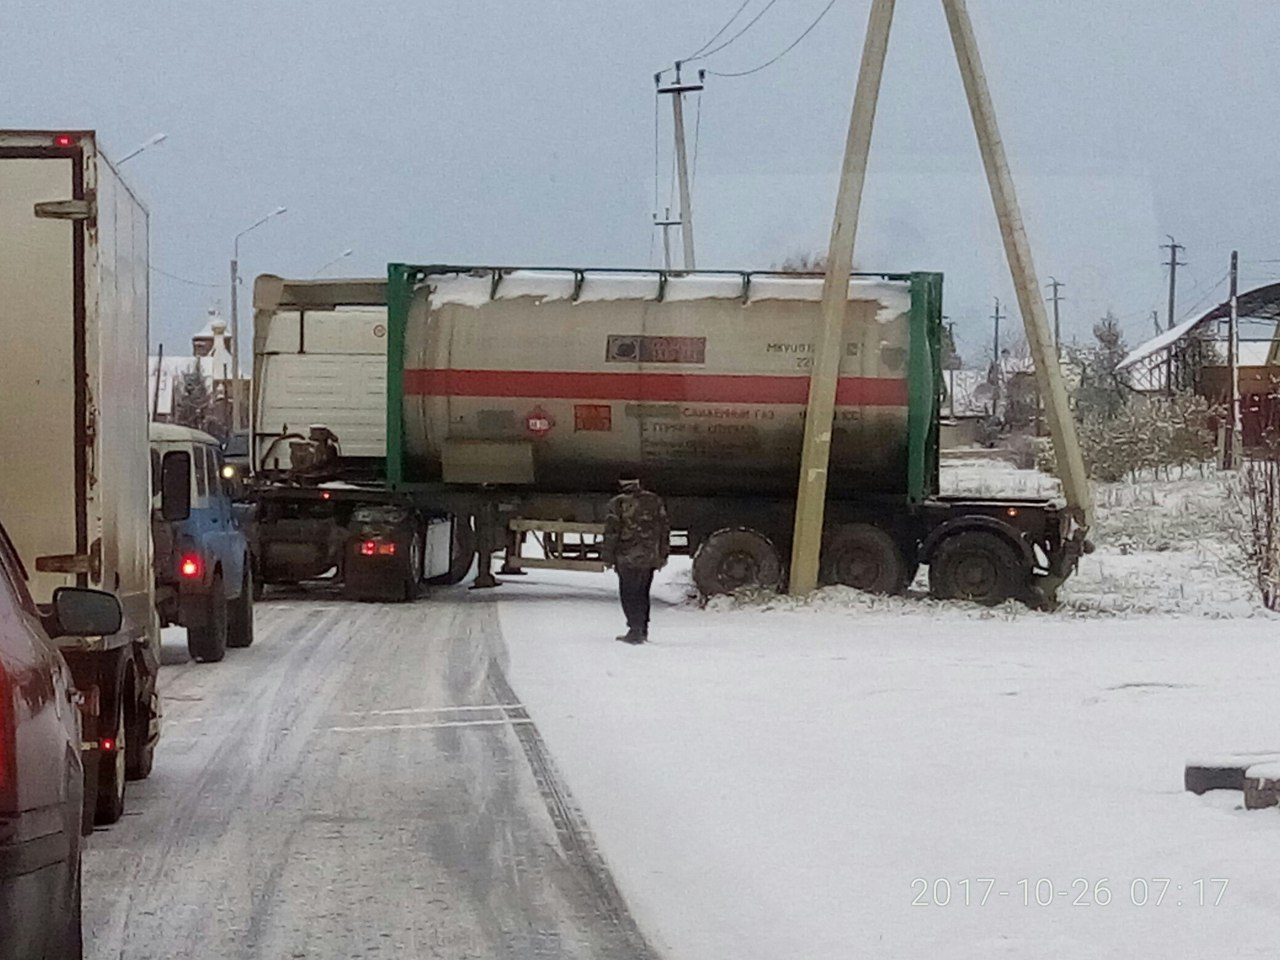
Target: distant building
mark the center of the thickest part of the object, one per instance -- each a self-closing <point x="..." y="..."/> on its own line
<point x="1193" y="356"/>
<point x="212" y="348"/>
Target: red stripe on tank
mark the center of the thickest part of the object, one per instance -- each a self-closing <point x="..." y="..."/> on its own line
<point x="648" y="387"/>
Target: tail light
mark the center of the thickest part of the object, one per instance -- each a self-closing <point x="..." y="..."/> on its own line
<point x="377" y="548"/>
<point x="8" y="753"/>
<point x="191" y="566"/>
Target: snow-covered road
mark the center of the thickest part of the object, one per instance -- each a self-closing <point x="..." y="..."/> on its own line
<point x="359" y="783"/>
<point x="815" y="783"/>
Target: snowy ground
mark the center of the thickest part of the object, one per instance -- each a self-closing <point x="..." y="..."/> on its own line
<point x="807" y="781"/>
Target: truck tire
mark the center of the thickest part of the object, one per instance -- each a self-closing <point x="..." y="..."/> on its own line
<point x="736" y="559"/>
<point x="865" y="557"/>
<point x="413" y="576"/>
<point x="112" y="774"/>
<point x="140" y="757"/>
<point x="240" y="616"/>
<point x="463" y="556"/>
<point x="208" y="643"/>
<point x="977" y="565"/>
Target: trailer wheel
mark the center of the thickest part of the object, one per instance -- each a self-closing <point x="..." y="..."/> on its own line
<point x="112" y="773"/>
<point x="413" y="576"/>
<point x="463" y="554"/>
<point x="865" y="557"/>
<point x="730" y="560"/>
<point x="208" y="642"/>
<point x="979" y="566"/>
<point x="240" y="617"/>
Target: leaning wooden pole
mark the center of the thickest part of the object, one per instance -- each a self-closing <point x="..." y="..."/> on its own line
<point x="1062" y="428"/>
<point x="816" y="455"/>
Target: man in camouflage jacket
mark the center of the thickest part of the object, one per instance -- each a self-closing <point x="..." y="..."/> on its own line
<point x="637" y="540"/>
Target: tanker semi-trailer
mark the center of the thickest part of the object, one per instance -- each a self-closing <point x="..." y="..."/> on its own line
<point x="515" y="397"/>
<point x="521" y="395"/>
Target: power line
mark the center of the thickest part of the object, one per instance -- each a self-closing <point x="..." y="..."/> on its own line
<point x="719" y="32"/>
<point x="750" y="23"/>
<point x="794" y="43"/>
<point x="697" y="130"/>
<point x="174" y="276"/>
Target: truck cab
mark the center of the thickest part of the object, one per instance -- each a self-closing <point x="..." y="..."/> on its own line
<point x="204" y="578"/>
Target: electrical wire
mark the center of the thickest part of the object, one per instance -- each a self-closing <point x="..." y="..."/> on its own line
<point x="697" y="130"/>
<point x="174" y="276"/>
<point x="794" y="43"/>
<point x="750" y="23"/>
<point x="718" y="33"/>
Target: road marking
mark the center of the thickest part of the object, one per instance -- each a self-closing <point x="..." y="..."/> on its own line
<point x="407" y="710"/>
<point x="438" y="725"/>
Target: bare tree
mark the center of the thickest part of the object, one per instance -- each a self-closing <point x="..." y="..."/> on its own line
<point x="1256" y="498"/>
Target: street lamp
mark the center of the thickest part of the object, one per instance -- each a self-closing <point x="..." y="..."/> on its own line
<point x="235" y="312"/>
<point x="157" y="139"/>
<point x="342" y="256"/>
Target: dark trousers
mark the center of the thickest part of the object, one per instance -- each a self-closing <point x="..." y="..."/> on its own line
<point x="633" y="590"/>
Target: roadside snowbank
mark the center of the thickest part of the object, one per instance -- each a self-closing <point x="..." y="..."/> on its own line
<point x="772" y="783"/>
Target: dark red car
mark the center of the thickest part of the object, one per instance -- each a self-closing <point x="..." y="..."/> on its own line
<point x="41" y="781"/>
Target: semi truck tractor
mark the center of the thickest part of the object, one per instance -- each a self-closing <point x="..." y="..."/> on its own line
<point x="514" y="398"/>
<point x="74" y="464"/>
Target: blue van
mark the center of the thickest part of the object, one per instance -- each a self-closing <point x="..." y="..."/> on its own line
<point x="204" y="579"/>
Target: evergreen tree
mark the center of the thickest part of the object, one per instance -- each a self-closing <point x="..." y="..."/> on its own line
<point x="1101" y="392"/>
<point x="192" y="399"/>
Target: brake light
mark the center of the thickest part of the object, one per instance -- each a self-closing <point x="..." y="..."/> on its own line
<point x="107" y="744"/>
<point x="63" y="140"/>
<point x="191" y="566"/>
<point x="377" y="548"/>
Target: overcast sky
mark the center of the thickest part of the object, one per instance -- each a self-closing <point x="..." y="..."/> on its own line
<point x="522" y="132"/>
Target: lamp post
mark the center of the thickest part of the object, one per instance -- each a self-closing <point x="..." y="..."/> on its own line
<point x="342" y="256"/>
<point x="235" y="313"/>
<point x="157" y="139"/>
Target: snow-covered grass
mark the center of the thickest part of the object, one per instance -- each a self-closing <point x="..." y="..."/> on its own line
<point x="776" y="781"/>
<point x="776" y="777"/>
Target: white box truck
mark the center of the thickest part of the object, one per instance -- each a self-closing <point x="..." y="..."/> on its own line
<point x="75" y="483"/>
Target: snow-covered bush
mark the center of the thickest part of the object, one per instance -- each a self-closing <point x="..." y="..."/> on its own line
<point x="1146" y="435"/>
<point x="1256" y="496"/>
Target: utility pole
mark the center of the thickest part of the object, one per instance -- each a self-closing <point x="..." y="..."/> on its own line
<point x="1155" y="321"/>
<point x="997" y="317"/>
<point x="677" y="91"/>
<point x="155" y="397"/>
<point x="1062" y="427"/>
<point x="1233" y="444"/>
<point x="1057" y="320"/>
<point x="666" y="223"/>
<point x="1174" y="263"/>
<point x="811" y="500"/>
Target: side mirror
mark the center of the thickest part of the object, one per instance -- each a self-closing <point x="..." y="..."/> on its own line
<point x="80" y="612"/>
<point x="175" y="485"/>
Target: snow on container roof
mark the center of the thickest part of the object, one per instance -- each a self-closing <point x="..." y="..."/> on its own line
<point x="477" y="287"/>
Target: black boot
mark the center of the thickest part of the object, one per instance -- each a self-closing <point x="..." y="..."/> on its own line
<point x="633" y="636"/>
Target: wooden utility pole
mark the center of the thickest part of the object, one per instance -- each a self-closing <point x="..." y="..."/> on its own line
<point x="1062" y="428"/>
<point x="997" y="367"/>
<point x="666" y="223"/>
<point x="677" y="91"/>
<point x="1234" y="440"/>
<point x="816" y="455"/>
<point x="1057" y="320"/>
<point x="1174" y="263"/>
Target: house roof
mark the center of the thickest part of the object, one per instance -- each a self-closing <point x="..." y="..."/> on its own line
<point x="1261" y="303"/>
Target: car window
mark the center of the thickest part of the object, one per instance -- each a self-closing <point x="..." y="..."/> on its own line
<point x="13" y="574"/>
<point x="199" y="468"/>
<point x="213" y="469"/>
